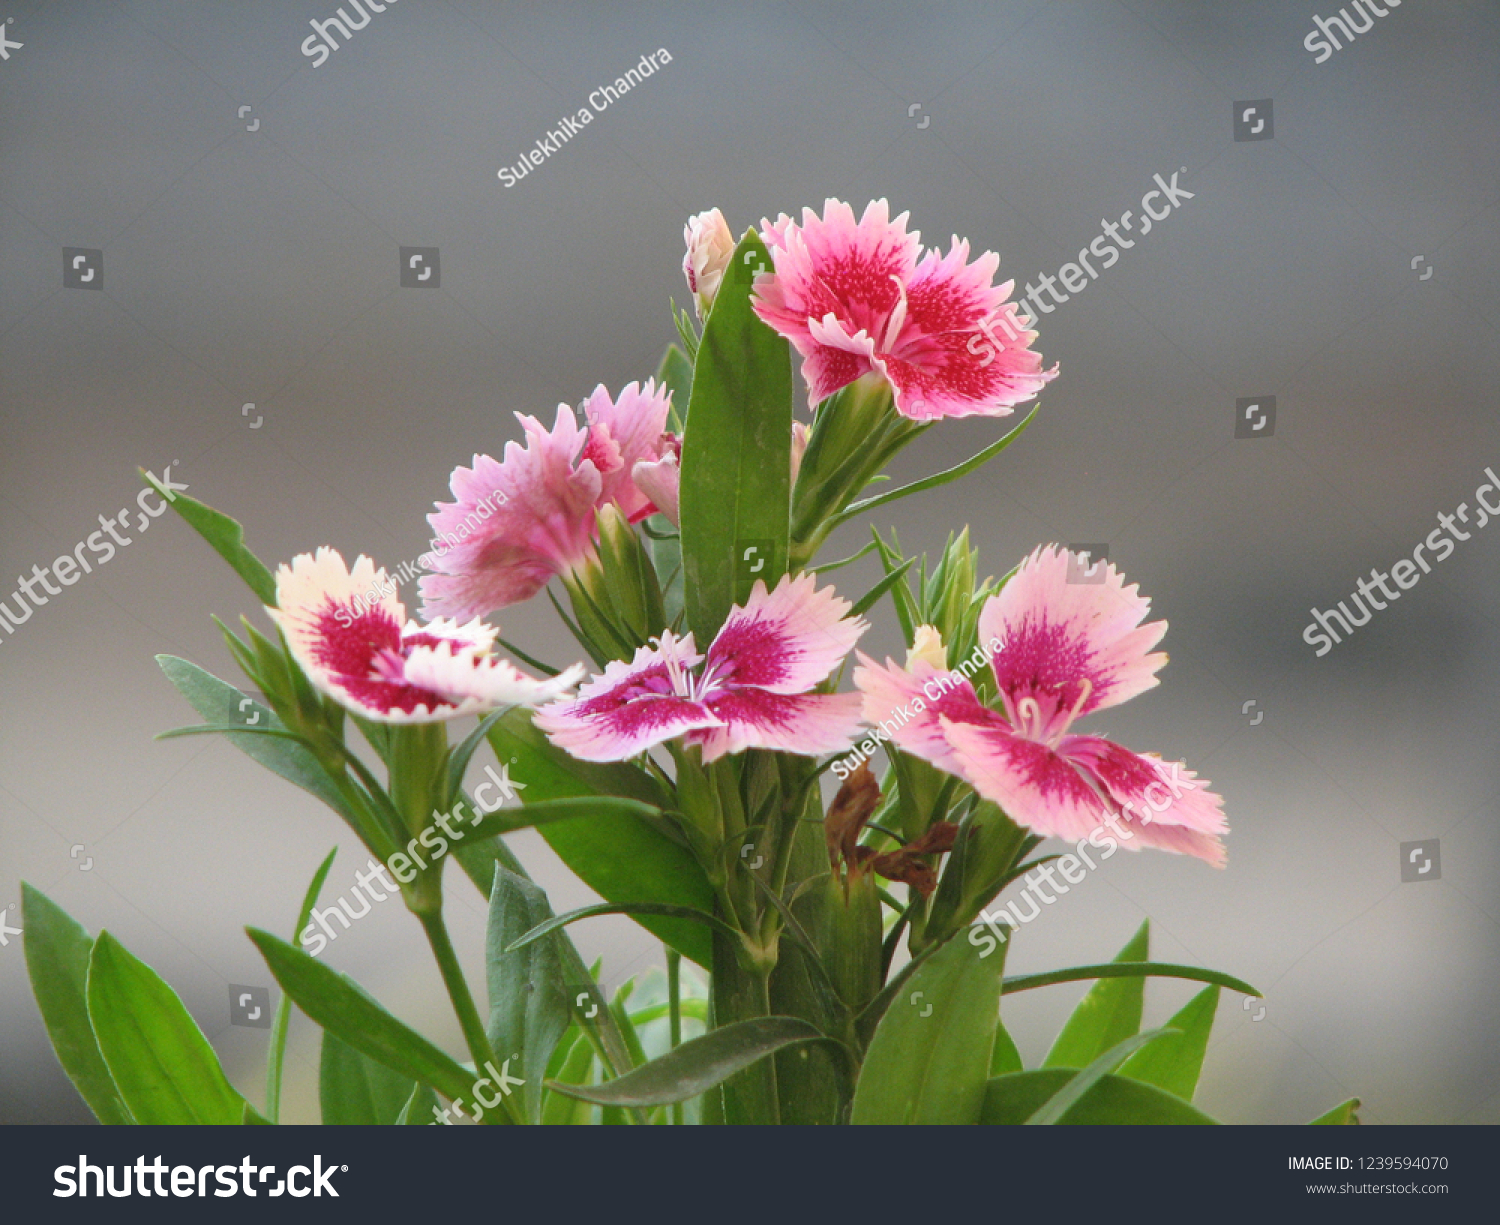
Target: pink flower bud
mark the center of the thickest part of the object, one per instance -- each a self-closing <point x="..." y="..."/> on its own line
<point x="710" y="246"/>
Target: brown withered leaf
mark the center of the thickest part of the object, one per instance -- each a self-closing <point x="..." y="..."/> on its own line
<point x="900" y="866"/>
<point x="854" y="805"/>
<point x="908" y="865"/>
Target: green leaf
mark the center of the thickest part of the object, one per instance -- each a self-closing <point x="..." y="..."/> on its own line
<point x="699" y="1065"/>
<point x="620" y="856"/>
<point x="57" y="961"/>
<point x="1342" y="1115"/>
<point x="419" y="1108"/>
<point x="227" y="538"/>
<point x="1107" y="1015"/>
<point x="930" y="1056"/>
<point x="163" y="1066"/>
<point x="676" y="374"/>
<point x="529" y="1010"/>
<point x="251" y="1117"/>
<point x="1074" y="1091"/>
<point x="284" y="1004"/>
<point x="293" y="761"/>
<point x="736" y="455"/>
<point x="1114" y="1099"/>
<point x="460" y="754"/>
<point x="1134" y="969"/>
<point x="940" y="478"/>
<point x="353" y="1088"/>
<point x="543" y="812"/>
<point x="630" y="908"/>
<point x="867" y="601"/>
<point x="339" y="1006"/>
<point x="1004" y="1057"/>
<point x="1174" y="1062"/>
<point x="572" y="1069"/>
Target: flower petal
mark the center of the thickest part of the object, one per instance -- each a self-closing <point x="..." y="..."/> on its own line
<point x="809" y="724"/>
<point x="336" y="620"/>
<point x="833" y="265"/>
<point x="1058" y="635"/>
<point x="483" y="682"/>
<point x="786" y="641"/>
<point x="1164" y="805"/>
<point x="957" y="352"/>
<point x="631" y="707"/>
<point x="514" y="524"/>
<point x="659" y="480"/>
<point x="1037" y="787"/>
<point x="621" y="433"/>
<point x="908" y="706"/>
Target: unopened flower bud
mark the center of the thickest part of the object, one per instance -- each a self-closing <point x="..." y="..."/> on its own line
<point x="710" y="246"/>
<point x="927" y="647"/>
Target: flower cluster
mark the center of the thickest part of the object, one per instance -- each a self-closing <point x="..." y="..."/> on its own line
<point x="858" y="299"/>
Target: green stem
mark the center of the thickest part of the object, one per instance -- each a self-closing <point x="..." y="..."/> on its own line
<point x="463" y="1005"/>
<point x="274" y="1060"/>
<point x="742" y="994"/>
<point x="674" y="1014"/>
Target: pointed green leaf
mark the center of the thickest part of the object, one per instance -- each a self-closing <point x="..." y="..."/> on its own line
<point x="227" y="538"/>
<point x="529" y="1010"/>
<point x="554" y="923"/>
<point x="354" y="1089"/>
<point x="1015" y="1098"/>
<point x="1106" y="1016"/>
<point x="284" y="1004"/>
<point x="57" y="961"/>
<point x="1128" y="969"/>
<point x="163" y="1066"/>
<point x="336" y="1004"/>
<point x="622" y="857"/>
<point x="1004" y="1058"/>
<point x="543" y="812"/>
<point x="572" y="1069"/>
<point x="1175" y="1062"/>
<point x="736" y="454"/>
<point x="213" y="699"/>
<point x="939" y="478"/>
<point x="699" y="1065"/>
<point x="1078" y="1087"/>
<point x="1342" y="1115"/>
<point x="930" y="1056"/>
<point x="676" y="374"/>
<point x="420" y="1108"/>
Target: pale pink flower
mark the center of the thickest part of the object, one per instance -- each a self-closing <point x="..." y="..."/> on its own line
<point x="1068" y="649"/>
<point x="516" y="524"/>
<point x="858" y="298"/>
<point x="349" y="633"/>
<point x="710" y="246"/>
<point x="750" y="691"/>
<point x="661" y="479"/>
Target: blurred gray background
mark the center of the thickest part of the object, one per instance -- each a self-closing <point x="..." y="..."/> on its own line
<point x="1347" y="266"/>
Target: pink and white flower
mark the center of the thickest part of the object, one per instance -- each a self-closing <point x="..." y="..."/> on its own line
<point x="517" y="523"/>
<point x="1068" y="649"/>
<point x="710" y="246"/>
<point x="859" y="298"/>
<point x="349" y="633"/>
<point x="751" y="690"/>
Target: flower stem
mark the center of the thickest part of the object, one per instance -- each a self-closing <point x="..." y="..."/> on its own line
<point x="463" y="1004"/>
<point x="674" y="1014"/>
